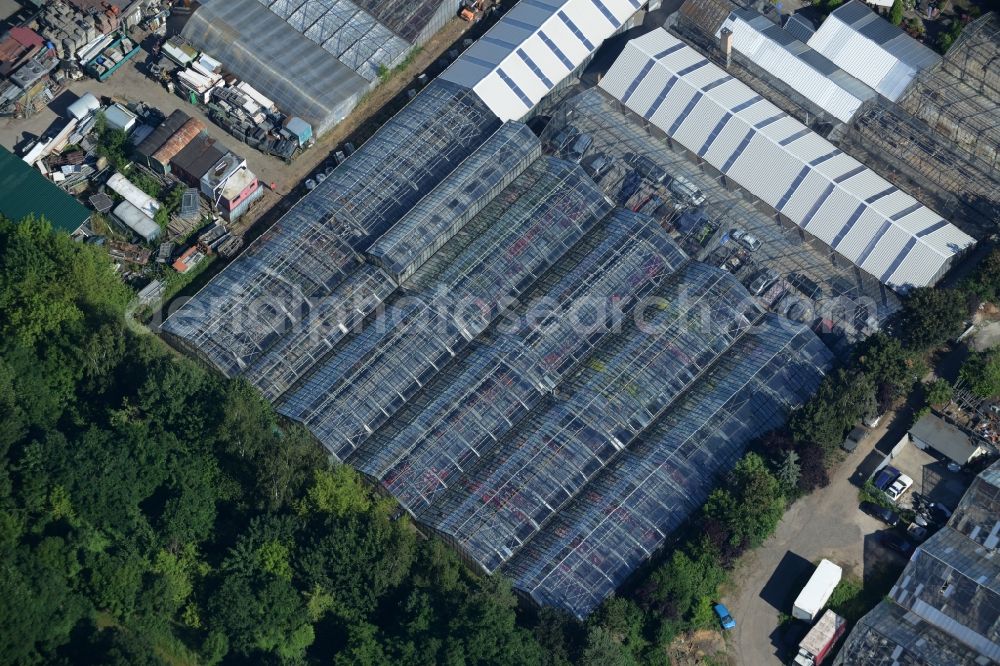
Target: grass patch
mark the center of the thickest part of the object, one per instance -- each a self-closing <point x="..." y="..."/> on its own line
<point x="852" y="599"/>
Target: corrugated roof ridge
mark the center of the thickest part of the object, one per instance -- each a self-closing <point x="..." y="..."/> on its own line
<point x="714" y="95"/>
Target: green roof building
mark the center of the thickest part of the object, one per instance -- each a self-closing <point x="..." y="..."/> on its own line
<point x="25" y="191"/>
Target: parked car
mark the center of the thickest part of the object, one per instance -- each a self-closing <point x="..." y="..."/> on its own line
<point x="887" y="516"/>
<point x="725" y="619"/>
<point x="762" y="281"/>
<point x="918" y="532"/>
<point x="896" y="542"/>
<point x="747" y="240"/>
<point x="598" y="165"/>
<point x="885" y="477"/>
<point x="686" y="191"/>
<point x="647" y="168"/>
<point x="579" y="148"/>
<point x="854" y="438"/>
<point x="898" y="487"/>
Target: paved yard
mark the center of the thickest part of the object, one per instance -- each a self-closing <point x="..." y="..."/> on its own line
<point x="931" y="477"/>
<point x="826" y="524"/>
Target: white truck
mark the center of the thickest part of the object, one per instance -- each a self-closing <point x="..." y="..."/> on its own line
<point x="816" y="645"/>
<point x="817" y="591"/>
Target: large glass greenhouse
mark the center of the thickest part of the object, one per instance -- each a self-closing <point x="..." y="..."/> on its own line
<point x="545" y="380"/>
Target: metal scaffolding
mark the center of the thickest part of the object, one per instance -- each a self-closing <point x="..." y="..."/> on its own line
<point x="960" y="98"/>
<point x="915" y="157"/>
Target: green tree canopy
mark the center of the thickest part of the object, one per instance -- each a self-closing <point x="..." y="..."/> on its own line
<point x="930" y="316"/>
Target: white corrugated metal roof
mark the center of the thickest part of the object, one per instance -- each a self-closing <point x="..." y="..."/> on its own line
<point x="871" y="49"/>
<point x="534" y="47"/>
<point x="791" y="168"/>
<point x="789" y="60"/>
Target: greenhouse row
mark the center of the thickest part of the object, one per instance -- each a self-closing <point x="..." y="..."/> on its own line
<point x="514" y="364"/>
<point x="452" y="299"/>
<point x="482" y="396"/>
<point x="624" y="514"/>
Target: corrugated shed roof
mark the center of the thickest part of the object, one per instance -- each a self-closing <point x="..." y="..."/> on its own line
<point x="871" y="49"/>
<point x="777" y="159"/>
<point x="799" y="27"/>
<point x="162" y="133"/>
<point x="534" y="47"/>
<point x="707" y="15"/>
<point x="789" y="60"/>
<point x="182" y="137"/>
<point x="196" y="158"/>
<point x="298" y="73"/>
<point x="24" y="191"/>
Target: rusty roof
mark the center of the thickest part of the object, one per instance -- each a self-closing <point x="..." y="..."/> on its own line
<point x="181" y="138"/>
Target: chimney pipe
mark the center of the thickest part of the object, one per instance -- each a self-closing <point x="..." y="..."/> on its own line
<point x="726" y="44"/>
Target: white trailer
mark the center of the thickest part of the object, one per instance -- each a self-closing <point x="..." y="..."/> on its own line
<point x="817" y="591"/>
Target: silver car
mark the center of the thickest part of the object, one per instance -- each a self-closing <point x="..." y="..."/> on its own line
<point x="747" y="240"/>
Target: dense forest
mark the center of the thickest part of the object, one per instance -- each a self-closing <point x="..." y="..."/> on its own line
<point x="152" y="512"/>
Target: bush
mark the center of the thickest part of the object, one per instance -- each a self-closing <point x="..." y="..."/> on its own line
<point x="869" y="493"/>
<point x="896" y="13"/>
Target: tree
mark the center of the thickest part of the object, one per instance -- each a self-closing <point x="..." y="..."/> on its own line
<point x="688" y="576"/>
<point x="604" y="650"/>
<point x="896" y="13"/>
<point x="749" y="505"/>
<point x="623" y="620"/>
<point x="812" y="469"/>
<point x="985" y="282"/>
<point x="842" y="399"/>
<point x="787" y="472"/>
<point x="938" y="392"/>
<point x="882" y="358"/>
<point x="929" y="317"/>
<point x="948" y="37"/>
<point x="261" y="613"/>
<point x="981" y="371"/>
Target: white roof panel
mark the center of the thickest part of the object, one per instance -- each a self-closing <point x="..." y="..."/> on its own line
<point x="783" y="163"/>
<point x="791" y="61"/>
<point x="856" y="239"/>
<point x="871" y="49"/>
<point x="532" y="48"/>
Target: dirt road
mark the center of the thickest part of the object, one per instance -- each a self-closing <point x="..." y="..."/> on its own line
<point x="825" y="524"/>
